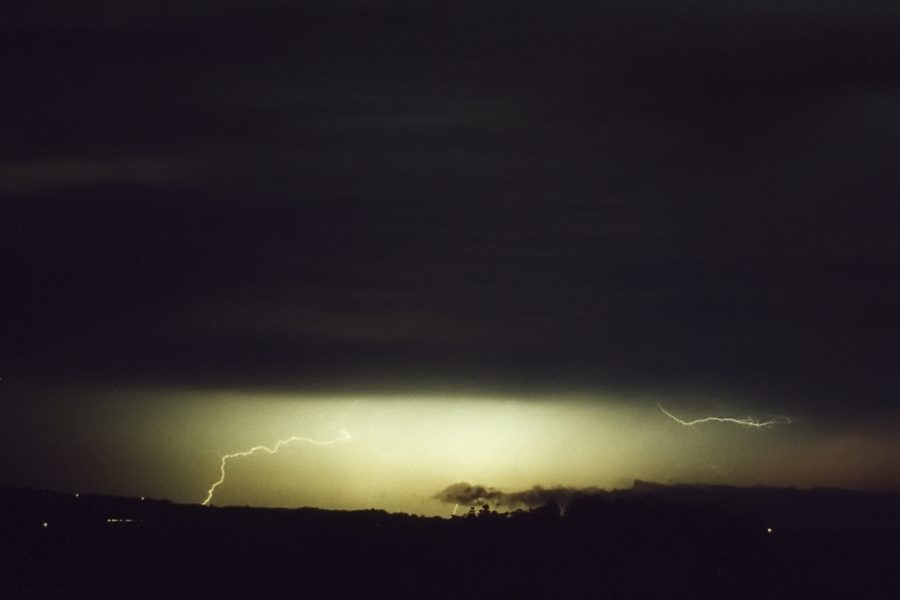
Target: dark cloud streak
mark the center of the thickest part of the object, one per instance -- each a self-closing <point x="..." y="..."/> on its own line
<point x="472" y="495"/>
<point x="632" y="195"/>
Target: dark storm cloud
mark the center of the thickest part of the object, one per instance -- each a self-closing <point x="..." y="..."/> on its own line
<point x="466" y="494"/>
<point x="634" y="195"/>
<point x="31" y="177"/>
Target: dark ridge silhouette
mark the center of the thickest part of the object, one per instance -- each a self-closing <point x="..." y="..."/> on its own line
<point x="787" y="508"/>
<point x="650" y="541"/>
<point x="784" y="508"/>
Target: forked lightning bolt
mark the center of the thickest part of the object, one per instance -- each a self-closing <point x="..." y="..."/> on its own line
<point x="343" y="437"/>
<point x="746" y="421"/>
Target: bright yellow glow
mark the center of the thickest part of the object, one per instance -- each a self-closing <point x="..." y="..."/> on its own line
<point x="407" y="448"/>
<point x="404" y="450"/>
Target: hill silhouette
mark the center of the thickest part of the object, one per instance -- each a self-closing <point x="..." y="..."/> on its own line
<point x="650" y="541"/>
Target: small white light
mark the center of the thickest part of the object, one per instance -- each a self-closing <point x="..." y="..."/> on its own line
<point x="769" y="530"/>
<point x="44" y="524"/>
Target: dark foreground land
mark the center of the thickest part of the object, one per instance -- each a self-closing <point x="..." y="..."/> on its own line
<point x="648" y="542"/>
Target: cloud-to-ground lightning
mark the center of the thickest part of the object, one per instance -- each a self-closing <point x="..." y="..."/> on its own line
<point x="746" y="421"/>
<point x="343" y="437"/>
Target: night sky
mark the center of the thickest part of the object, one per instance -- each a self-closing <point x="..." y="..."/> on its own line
<point x="485" y="239"/>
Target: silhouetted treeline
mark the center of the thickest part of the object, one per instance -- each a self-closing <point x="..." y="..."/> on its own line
<point x="621" y="546"/>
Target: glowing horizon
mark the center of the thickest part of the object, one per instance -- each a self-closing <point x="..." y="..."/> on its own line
<point x="406" y="448"/>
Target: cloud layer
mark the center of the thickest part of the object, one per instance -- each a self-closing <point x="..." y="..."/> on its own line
<point x="471" y="495"/>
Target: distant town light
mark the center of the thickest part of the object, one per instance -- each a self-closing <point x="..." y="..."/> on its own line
<point x="769" y="530"/>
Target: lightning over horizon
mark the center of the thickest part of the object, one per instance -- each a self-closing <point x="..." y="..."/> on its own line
<point x="343" y="437"/>
<point x="745" y="422"/>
